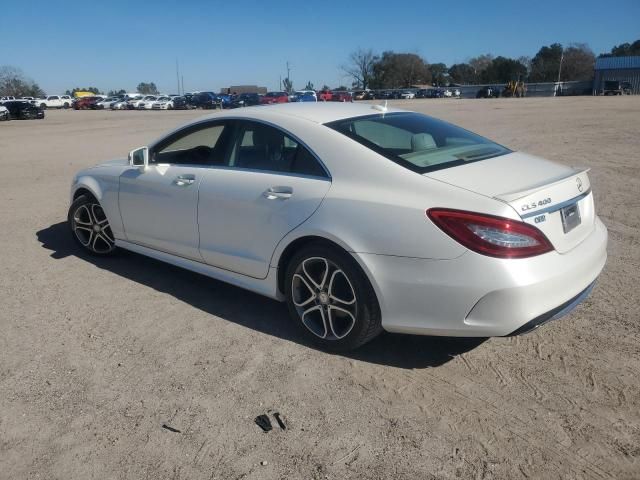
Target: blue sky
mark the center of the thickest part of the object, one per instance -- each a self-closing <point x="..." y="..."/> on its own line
<point x="117" y="44"/>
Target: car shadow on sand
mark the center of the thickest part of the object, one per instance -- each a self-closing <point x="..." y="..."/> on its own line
<point x="252" y="310"/>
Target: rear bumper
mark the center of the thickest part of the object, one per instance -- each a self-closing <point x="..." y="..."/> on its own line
<point x="478" y="296"/>
<point x="554" y="314"/>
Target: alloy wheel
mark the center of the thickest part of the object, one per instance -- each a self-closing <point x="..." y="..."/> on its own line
<point x="91" y="228"/>
<point x="324" y="298"/>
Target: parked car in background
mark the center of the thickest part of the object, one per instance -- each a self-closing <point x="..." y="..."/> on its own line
<point x="407" y="94"/>
<point x="455" y="93"/>
<point x="325" y="95"/>
<point x="7" y="98"/>
<point x="274" y="97"/>
<point x="147" y="102"/>
<point x="125" y="103"/>
<point x="488" y="92"/>
<point x="205" y="100"/>
<point x="22" y="110"/>
<point x="342" y="96"/>
<point x="4" y="113"/>
<point x="106" y="103"/>
<point x="135" y="104"/>
<point x="614" y="87"/>
<point x="55" y="101"/>
<point x="179" y="103"/>
<point x="298" y="93"/>
<point x="627" y="88"/>
<point x="163" y="103"/>
<point x="304" y="96"/>
<point x="383" y="95"/>
<point x="245" y="100"/>
<point x="225" y="99"/>
<point x="86" y="103"/>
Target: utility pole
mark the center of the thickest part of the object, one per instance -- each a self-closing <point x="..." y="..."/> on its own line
<point x="182" y="77"/>
<point x="559" y="71"/>
<point x="178" y="76"/>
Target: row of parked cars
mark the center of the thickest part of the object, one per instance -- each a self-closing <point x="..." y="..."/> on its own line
<point x="204" y="100"/>
<point x="211" y="100"/>
<point x="19" y="109"/>
<point x="29" y="107"/>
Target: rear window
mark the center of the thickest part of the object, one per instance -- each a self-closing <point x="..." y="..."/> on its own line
<point x="418" y="142"/>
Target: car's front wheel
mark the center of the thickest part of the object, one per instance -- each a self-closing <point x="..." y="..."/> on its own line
<point x="90" y="227"/>
<point x="330" y="297"/>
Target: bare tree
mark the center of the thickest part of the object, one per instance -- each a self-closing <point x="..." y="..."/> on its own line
<point x="360" y="67"/>
<point x="480" y="64"/>
<point x="13" y="82"/>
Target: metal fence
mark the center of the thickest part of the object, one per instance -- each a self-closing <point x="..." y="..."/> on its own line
<point x="546" y="89"/>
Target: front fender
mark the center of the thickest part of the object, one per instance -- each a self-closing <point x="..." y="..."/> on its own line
<point x="86" y="182"/>
<point x="103" y="184"/>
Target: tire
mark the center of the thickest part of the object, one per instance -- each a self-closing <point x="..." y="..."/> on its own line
<point x="90" y="227"/>
<point x="65" y="106"/>
<point x="43" y="106"/>
<point x="330" y="298"/>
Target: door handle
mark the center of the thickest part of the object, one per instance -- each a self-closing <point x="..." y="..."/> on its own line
<point x="184" y="180"/>
<point x="273" y="193"/>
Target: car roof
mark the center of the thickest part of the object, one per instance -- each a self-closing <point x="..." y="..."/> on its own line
<point x="320" y="112"/>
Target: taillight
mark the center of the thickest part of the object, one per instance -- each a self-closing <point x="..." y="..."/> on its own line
<point x="489" y="235"/>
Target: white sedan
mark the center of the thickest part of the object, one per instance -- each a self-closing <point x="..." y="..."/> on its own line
<point x="162" y="103"/>
<point x="145" y="103"/>
<point x="361" y="218"/>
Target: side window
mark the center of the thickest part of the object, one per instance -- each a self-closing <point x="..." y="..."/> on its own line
<point x="261" y="147"/>
<point x="200" y="147"/>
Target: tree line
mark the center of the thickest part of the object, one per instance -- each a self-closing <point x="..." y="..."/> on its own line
<point x="397" y="70"/>
<point x="551" y="63"/>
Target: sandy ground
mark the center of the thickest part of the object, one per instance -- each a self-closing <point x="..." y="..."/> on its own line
<point x="96" y="355"/>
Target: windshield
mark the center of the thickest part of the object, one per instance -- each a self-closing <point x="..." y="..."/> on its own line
<point x="418" y="142"/>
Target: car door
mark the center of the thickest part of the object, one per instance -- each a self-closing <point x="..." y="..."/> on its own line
<point x="271" y="184"/>
<point x="159" y="205"/>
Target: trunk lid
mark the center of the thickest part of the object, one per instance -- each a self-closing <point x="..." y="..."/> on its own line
<point x="554" y="198"/>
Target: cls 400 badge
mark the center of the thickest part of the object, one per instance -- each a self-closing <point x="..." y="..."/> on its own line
<point x="534" y="205"/>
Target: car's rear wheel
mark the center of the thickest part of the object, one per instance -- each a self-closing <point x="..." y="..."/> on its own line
<point x="43" y="106"/>
<point x="90" y="227"/>
<point x="330" y="297"/>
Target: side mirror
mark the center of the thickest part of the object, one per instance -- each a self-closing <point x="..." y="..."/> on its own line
<point x="139" y="158"/>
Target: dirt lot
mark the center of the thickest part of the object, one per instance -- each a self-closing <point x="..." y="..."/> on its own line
<point x="96" y="355"/>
